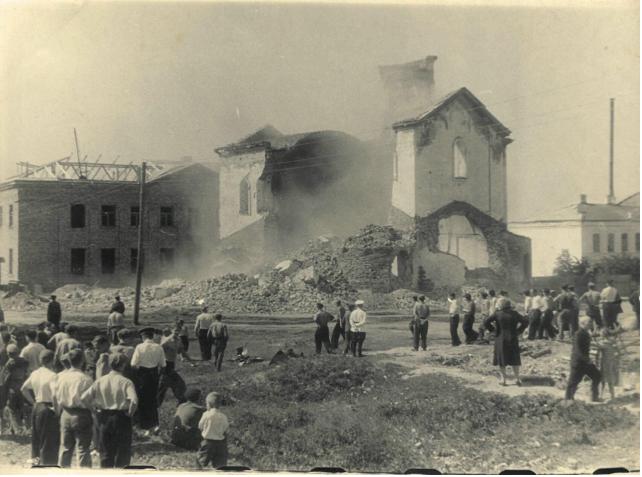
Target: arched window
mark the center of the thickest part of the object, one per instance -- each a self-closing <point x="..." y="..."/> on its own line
<point x="245" y="196"/>
<point x="459" y="159"/>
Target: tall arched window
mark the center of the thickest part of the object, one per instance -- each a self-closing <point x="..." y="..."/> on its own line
<point x="459" y="159"/>
<point x="245" y="196"/>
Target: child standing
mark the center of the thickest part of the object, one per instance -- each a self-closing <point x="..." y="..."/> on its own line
<point x="608" y="360"/>
<point x="213" y="426"/>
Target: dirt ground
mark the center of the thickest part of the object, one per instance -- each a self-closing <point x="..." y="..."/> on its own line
<point x="572" y="446"/>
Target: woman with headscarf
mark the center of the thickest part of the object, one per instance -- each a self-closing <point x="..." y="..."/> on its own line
<point x="508" y="325"/>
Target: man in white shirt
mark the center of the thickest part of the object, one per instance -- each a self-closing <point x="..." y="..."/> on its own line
<point x="38" y="390"/>
<point x="213" y="426"/>
<point x="64" y="346"/>
<point x="32" y="351"/>
<point x="534" y="314"/>
<point x="358" y="319"/>
<point x="453" y="313"/>
<point x="611" y="304"/>
<point x="115" y="400"/>
<point x="75" y="418"/>
<point x="201" y="327"/>
<point x="148" y="359"/>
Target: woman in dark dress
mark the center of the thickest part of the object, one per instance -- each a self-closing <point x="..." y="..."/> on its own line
<point x="507" y="325"/>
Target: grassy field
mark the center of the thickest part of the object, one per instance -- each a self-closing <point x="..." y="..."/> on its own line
<point x="390" y="411"/>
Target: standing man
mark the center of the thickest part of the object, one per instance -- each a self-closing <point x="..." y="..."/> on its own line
<point x="65" y="345"/>
<point x="32" y="351"/>
<point x="421" y="313"/>
<point x="453" y="312"/>
<point x="169" y="378"/>
<point x="54" y="312"/>
<point x="115" y="323"/>
<point x="117" y="306"/>
<point x="115" y="400"/>
<point x="581" y="364"/>
<point x="1" y="314"/>
<point x="75" y="418"/>
<point x="468" y="310"/>
<point x="13" y="377"/>
<point x="201" y="329"/>
<point x="38" y="390"/>
<point x="564" y="303"/>
<point x="147" y="360"/>
<point x="534" y="314"/>
<point x="347" y="349"/>
<point x="484" y="310"/>
<point x="340" y="326"/>
<point x="611" y="304"/>
<point x="492" y="298"/>
<point x="358" y="319"/>
<point x="592" y="300"/>
<point x="218" y="337"/>
<point x="322" y="334"/>
<point x="546" y="310"/>
<point x="575" y="310"/>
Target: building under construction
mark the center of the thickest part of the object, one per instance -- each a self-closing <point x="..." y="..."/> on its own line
<point x="77" y="222"/>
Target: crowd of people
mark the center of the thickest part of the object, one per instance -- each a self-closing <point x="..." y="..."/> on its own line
<point x="86" y="397"/>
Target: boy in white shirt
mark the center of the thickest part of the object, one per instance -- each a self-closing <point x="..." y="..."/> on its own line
<point x="213" y="426"/>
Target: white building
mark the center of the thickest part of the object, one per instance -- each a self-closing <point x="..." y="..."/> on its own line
<point x="586" y="230"/>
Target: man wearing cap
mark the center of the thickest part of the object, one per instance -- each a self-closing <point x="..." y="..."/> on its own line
<point x="147" y="360"/>
<point x="322" y="333"/>
<point x="38" y="391"/>
<point x="169" y="378"/>
<point x="421" y="312"/>
<point x="114" y="398"/>
<point x="54" y="312"/>
<point x="592" y="300"/>
<point x="201" y="329"/>
<point x="66" y="345"/>
<point x="75" y="417"/>
<point x="358" y="319"/>
<point x="117" y="306"/>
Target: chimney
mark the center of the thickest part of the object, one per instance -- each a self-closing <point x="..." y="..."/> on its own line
<point x="611" y="197"/>
<point x="582" y="198"/>
<point x="409" y="87"/>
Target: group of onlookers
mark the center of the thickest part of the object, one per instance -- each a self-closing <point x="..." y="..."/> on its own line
<point x="350" y="325"/>
<point x="85" y="398"/>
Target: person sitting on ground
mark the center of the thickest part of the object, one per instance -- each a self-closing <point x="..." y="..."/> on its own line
<point x="32" y="351"/>
<point x="508" y="325"/>
<point x="213" y="426"/>
<point x="14" y="375"/>
<point x="185" y="430"/>
<point x="581" y="364"/>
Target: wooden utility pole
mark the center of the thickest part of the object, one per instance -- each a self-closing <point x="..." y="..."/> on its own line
<point x="139" y="257"/>
<point x="611" y="199"/>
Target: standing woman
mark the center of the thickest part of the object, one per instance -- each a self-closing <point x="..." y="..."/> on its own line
<point x="508" y="325"/>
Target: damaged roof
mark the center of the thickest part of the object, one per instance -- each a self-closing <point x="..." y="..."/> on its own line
<point x="266" y="137"/>
<point x="477" y="106"/>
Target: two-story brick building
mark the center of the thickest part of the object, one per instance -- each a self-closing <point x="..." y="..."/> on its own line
<point x="61" y="227"/>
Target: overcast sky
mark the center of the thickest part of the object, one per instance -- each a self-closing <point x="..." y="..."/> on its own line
<point x="158" y="81"/>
